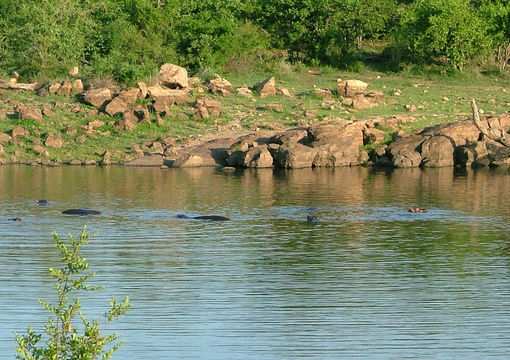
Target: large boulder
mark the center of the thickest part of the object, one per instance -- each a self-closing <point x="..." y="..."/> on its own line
<point x="290" y="136"/>
<point x="207" y="107"/>
<point x="258" y="157"/>
<point x="173" y="76"/>
<point x="404" y="152"/>
<point x="293" y="156"/>
<point x="460" y="132"/>
<point x="337" y="145"/>
<point x="437" y="151"/>
<point x="266" y="88"/>
<point x="97" y="97"/>
<point x="351" y="88"/>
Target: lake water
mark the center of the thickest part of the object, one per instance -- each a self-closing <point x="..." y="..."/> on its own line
<point x="369" y="281"/>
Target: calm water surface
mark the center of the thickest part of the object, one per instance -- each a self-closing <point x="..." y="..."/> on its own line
<point x="369" y="281"/>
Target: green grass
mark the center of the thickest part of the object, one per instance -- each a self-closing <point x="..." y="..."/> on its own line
<point x="438" y="99"/>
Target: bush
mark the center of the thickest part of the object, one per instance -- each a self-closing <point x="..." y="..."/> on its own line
<point x="447" y="32"/>
<point x="63" y="341"/>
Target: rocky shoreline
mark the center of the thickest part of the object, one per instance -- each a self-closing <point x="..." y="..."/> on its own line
<point x="332" y="142"/>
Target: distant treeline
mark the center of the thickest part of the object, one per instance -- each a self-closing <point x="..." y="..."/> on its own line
<point x="132" y="38"/>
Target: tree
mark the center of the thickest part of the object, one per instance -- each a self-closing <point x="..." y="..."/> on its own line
<point x="448" y="31"/>
<point x="63" y="340"/>
<point x="496" y="15"/>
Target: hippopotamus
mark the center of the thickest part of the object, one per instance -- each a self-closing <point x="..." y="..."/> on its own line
<point x="204" y="217"/>
<point x="81" y="211"/>
<point x="42" y="202"/>
<point x="311" y="219"/>
<point x="417" y="210"/>
<point x="15" y="219"/>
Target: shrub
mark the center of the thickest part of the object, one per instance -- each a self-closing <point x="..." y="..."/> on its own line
<point x="63" y="341"/>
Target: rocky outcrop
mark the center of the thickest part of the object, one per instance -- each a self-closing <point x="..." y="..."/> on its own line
<point x="220" y="86"/>
<point x="97" y="97"/>
<point x="173" y="76"/>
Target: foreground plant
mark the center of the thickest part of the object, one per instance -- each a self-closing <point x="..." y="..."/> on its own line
<point x="63" y="341"/>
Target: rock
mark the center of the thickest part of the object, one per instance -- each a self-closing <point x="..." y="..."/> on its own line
<point x="38" y="149"/>
<point x="128" y="122"/>
<point x="290" y="137"/>
<point x="310" y="114"/>
<point x="142" y="113"/>
<point x="360" y="102"/>
<point x="170" y="96"/>
<point x="116" y="106"/>
<point x="173" y="76"/>
<point x="5" y="138"/>
<point x="147" y="160"/>
<point x="266" y="88"/>
<point x="272" y="106"/>
<point x="437" y="151"/>
<point x="404" y="152"/>
<point x="130" y="96"/>
<point x="244" y="91"/>
<point x="293" y="156"/>
<point x="373" y="136"/>
<point x="3" y="114"/>
<point x="48" y="111"/>
<point x="280" y="90"/>
<point x="351" y="88"/>
<point x="220" y="86"/>
<point x="410" y="108"/>
<point x="461" y="132"/>
<point x="160" y="106"/>
<point x="74" y="71"/>
<point x="2" y="150"/>
<point x="53" y="89"/>
<point x="337" y="145"/>
<point x="20" y="132"/>
<point x="54" y="141"/>
<point x="66" y="89"/>
<point x="77" y="86"/>
<point x="143" y="90"/>
<point x="81" y="139"/>
<point x="188" y="160"/>
<point x="30" y="113"/>
<point x="207" y="107"/>
<point x="96" y="124"/>
<point x="464" y="156"/>
<point x="375" y="96"/>
<point x="324" y="93"/>
<point x="97" y="97"/>
<point x="258" y="157"/>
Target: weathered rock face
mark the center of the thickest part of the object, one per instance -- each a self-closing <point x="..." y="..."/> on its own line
<point x="147" y="160"/>
<point x="173" y="76"/>
<point x="244" y="91"/>
<point x="404" y="152"/>
<point x="290" y="136"/>
<point x="97" y="97"/>
<point x="293" y="156"/>
<point x="258" y="157"/>
<point x="221" y="86"/>
<point x="373" y="136"/>
<point x="437" y="151"/>
<point x="266" y="88"/>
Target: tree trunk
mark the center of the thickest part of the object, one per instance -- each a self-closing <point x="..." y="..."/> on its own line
<point x="500" y="138"/>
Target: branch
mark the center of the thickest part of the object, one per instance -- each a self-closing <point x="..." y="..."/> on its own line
<point x="485" y="131"/>
<point x="18" y="86"/>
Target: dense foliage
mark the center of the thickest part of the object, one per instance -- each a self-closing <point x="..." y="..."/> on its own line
<point x="131" y="38"/>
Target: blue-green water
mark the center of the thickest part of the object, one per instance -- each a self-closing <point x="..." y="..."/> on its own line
<point x="369" y="281"/>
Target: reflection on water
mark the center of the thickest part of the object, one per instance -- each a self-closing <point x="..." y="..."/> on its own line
<point x="370" y="280"/>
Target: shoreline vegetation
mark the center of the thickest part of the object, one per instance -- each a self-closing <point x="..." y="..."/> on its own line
<point x="89" y="83"/>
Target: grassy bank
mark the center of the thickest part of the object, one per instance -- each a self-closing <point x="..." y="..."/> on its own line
<point x="429" y="99"/>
